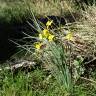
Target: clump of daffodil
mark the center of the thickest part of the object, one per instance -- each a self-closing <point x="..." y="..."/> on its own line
<point x="38" y="45"/>
<point x="45" y="34"/>
<point x="49" y="23"/>
<point x="69" y="36"/>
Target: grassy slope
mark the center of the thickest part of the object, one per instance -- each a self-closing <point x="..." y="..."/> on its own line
<point x="22" y="84"/>
<point x="37" y="83"/>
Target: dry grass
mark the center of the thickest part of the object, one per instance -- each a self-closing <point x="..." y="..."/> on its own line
<point x="41" y="7"/>
<point x="49" y="7"/>
<point x="86" y="29"/>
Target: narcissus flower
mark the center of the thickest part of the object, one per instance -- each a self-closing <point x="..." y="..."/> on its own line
<point x="69" y="36"/>
<point x="49" y="23"/>
<point x="45" y="33"/>
<point x="38" y="45"/>
<point x="41" y="36"/>
<point x="51" y="37"/>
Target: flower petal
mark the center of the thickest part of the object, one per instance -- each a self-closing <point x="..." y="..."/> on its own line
<point x="50" y="38"/>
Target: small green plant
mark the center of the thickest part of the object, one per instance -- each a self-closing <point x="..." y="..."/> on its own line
<point x="54" y="55"/>
<point x="60" y="70"/>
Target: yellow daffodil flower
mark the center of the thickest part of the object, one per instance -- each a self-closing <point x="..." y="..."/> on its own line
<point x="69" y="36"/>
<point x="41" y="36"/>
<point x="45" y="33"/>
<point x="38" y="45"/>
<point x="49" y="23"/>
<point x="50" y="37"/>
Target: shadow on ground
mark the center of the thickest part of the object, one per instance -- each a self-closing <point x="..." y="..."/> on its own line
<point x="13" y="31"/>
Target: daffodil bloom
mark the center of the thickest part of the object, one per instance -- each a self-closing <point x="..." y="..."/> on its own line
<point x="69" y="36"/>
<point x="49" y="23"/>
<point x="38" y="45"/>
<point x="45" y="33"/>
<point x="41" y="36"/>
<point x="50" y="37"/>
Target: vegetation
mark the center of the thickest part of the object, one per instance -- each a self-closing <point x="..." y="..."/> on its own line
<point x="65" y="55"/>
